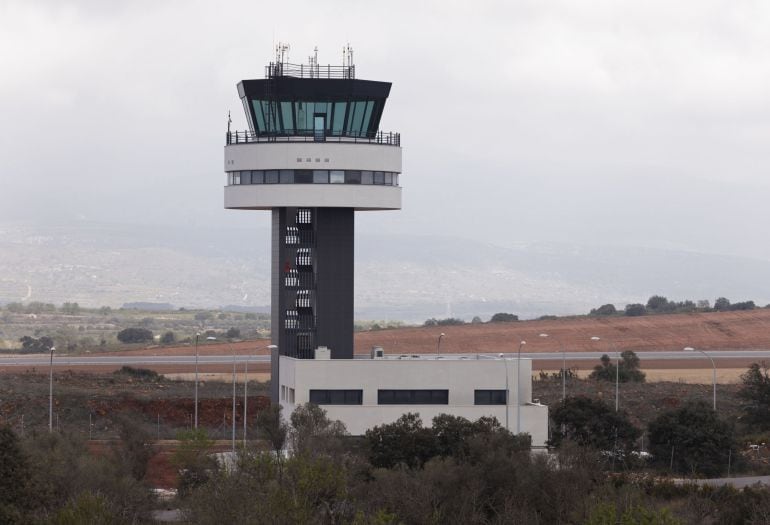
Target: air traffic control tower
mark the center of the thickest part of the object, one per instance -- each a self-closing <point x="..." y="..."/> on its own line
<point x="313" y="156"/>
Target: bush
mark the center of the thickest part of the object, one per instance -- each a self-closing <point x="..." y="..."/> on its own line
<point x="143" y="374"/>
<point x="503" y="318"/>
<point x="756" y="392"/>
<point x="593" y="423"/>
<point x="168" y="338"/>
<point x="698" y="440"/>
<point x="451" y="321"/>
<point x="635" y="310"/>
<point x="627" y="371"/>
<point x="233" y="333"/>
<point x="32" y="345"/>
<point x="605" y="309"/>
<point x="135" y="335"/>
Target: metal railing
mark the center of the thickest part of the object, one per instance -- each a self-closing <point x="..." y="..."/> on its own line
<point x="246" y="137"/>
<point x="309" y="71"/>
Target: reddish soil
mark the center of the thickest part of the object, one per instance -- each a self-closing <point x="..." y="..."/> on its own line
<point x="717" y="330"/>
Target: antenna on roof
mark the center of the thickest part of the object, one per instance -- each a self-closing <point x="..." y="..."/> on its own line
<point x="282" y="53"/>
<point x="347" y="61"/>
<point x="313" y="59"/>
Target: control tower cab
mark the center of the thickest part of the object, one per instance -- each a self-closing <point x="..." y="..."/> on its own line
<point x="313" y="155"/>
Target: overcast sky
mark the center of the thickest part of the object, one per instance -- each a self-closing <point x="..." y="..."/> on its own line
<point x="641" y="122"/>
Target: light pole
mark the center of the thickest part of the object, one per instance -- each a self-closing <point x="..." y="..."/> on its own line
<point x="518" y="387"/>
<point x="234" y="360"/>
<point x="50" y="393"/>
<point x="563" y="368"/>
<point x="505" y="361"/>
<point x="714" y="373"/>
<point x="617" y="373"/>
<point x="197" y="335"/>
<point x="438" y="344"/>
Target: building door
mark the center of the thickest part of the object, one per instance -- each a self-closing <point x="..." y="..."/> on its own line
<point x="319" y="127"/>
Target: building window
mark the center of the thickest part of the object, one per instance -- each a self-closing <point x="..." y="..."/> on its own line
<point x="337" y="397"/>
<point x="320" y="176"/>
<point x="337" y="177"/>
<point x="291" y="395"/>
<point x="366" y="177"/>
<point x="489" y="397"/>
<point x="257" y="177"/>
<point x="413" y="397"/>
<point x="271" y="177"/>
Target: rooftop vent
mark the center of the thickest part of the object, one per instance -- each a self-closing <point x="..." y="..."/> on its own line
<point x="378" y="352"/>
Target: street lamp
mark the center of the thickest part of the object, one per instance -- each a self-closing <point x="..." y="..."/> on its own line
<point x="507" y="396"/>
<point x="518" y="387"/>
<point x="246" y="389"/>
<point x="50" y="393"/>
<point x="617" y="372"/>
<point x="197" y="335"/>
<point x="714" y="373"/>
<point x="563" y="368"/>
<point x="438" y="344"/>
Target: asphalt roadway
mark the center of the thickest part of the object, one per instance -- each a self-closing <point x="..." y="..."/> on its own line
<point x="41" y="360"/>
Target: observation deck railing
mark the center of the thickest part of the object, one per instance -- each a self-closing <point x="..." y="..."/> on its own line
<point x="246" y="137"/>
<point x="284" y="69"/>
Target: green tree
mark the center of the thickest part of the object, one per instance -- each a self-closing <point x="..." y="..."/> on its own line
<point x="698" y="440"/>
<point x="233" y="333"/>
<point x="722" y="304"/>
<point x="15" y="495"/>
<point x="605" y="309"/>
<point x="405" y="441"/>
<point x="658" y="303"/>
<point x="312" y="431"/>
<point x="503" y="317"/>
<point x="192" y="458"/>
<point x="70" y="308"/>
<point x="135" y="335"/>
<point x="628" y="370"/>
<point x="592" y="423"/>
<point x="32" y="345"/>
<point x="755" y="392"/>
<point x="272" y="426"/>
<point x="168" y="338"/>
<point x="635" y="310"/>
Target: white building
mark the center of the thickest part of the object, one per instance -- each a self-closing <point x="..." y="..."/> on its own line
<point x="363" y="393"/>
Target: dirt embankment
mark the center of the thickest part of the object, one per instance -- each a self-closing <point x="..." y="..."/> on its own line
<point x="716" y="330"/>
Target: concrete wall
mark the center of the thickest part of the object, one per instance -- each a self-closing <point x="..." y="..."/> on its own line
<point x="460" y="377"/>
<point x="312" y="156"/>
<point x="267" y="196"/>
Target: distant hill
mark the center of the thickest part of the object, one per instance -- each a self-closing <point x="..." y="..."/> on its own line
<point x="408" y="278"/>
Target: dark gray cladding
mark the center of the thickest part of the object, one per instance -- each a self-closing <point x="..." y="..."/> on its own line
<point x="312" y="283"/>
<point x="334" y="244"/>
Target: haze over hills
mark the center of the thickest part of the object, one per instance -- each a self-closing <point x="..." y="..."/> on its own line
<point x="408" y="278"/>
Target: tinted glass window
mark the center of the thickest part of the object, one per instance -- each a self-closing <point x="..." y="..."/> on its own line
<point x="337" y="177"/>
<point x="379" y="177"/>
<point x="245" y="177"/>
<point x="271" y="177"/>
<point x="257" y="177"/>
<point x="303" y="176"/>
<point x="367" y="177"/>
<point x="287" y="176"/>
<point x="260" y="117"/>
<point x="320" y="177"/>
<point x="336" y="397"/>
<point x="286" y="117"/>
<point x="388" y="179"/>
<point x="339" y="117"/>
<point x="358" y="116"/>
<point x="367" y="118"/>
<point x="413" y="397"/>
<point x="489" y="397"/>
<point x="352" y="177"/>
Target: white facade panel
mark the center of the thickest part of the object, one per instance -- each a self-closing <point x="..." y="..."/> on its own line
<point x="460" y="377"/>
<point x="267" y="196"/>
<point x="312" y="156"/>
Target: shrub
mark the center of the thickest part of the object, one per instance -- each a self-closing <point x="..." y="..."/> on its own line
<point x="135" y="335"/>
<point x="635" y="310"/>
<point x="233" y="333"/>
<point x="605" y="309"/>
<point x="168" y="338"/>
<point x="503" y="317"/>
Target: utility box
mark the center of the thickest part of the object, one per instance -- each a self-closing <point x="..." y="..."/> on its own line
<point x="378" y="352"/>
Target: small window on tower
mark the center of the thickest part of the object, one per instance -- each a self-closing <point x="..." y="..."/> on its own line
<point x="337" y="177"/>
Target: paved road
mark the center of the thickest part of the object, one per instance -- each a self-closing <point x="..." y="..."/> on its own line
<point x="738" y="483"/>
<point x="85" y="360"/>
